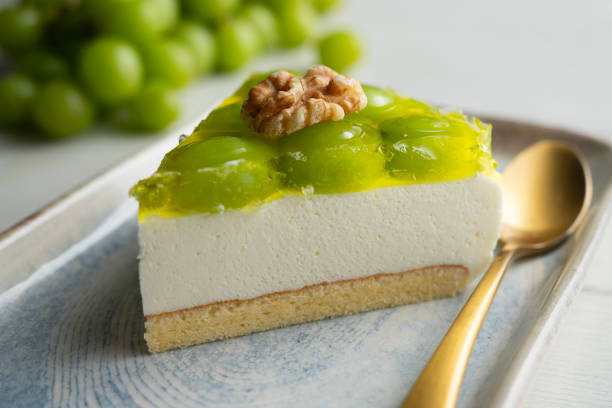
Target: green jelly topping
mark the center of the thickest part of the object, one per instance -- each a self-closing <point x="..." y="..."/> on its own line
<point x="394" y="140"/>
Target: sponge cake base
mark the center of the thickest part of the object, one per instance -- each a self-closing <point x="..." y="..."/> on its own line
<point x="231" y="318"/>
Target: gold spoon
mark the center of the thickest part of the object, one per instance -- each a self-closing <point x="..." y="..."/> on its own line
<point x="547" y="192"/>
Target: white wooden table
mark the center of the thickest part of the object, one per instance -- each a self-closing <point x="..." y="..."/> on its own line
<point x="544" y="61"/>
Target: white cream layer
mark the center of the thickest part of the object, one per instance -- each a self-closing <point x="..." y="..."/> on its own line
<point x="298" y="241"/>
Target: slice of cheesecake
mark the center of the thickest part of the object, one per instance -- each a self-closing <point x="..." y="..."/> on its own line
<point x="297" y="200"/>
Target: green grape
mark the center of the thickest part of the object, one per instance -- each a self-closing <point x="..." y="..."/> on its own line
<point x="378" y="98"/>
<point x="43" y="65"/>
<point x="210" y="10"/>
<point x="141" y="21"/>
<point x="200" y="41"/>
<point x="169" y="13"/>
<point x="111" y="69"/>
<point x="323" y="6"/>
<point x="385" y="104"/>
<point x="297" y="19"/>
<point x="264" y="22"/>
<point x="61" y="110"/>
<point x="429" y="148"/>
<point x="236" y="43"/>
<point x="16" y="97"/>
<point x="332" y="157"/>
<point x="420" y="126"/>
<point x="219" y="173"/>
<point x="225" y="120"/>
<point x="20" y="28"/>
<point x="339" y="50"/>
<point x="170" y="61"/>
<point x="155" y="107"/>
<point x="380" y="101"/>
<point x="214" y="152"/>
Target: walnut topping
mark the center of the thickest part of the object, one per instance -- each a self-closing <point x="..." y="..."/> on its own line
<point x="284" y="103"/>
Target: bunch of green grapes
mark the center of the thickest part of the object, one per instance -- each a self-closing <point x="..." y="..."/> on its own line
<point x="122" y="61"/>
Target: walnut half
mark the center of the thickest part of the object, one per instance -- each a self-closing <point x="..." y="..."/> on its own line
<point x="284" y="103"/>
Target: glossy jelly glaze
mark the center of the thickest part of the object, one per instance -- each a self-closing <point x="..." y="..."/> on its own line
<point x="225" y="165"/>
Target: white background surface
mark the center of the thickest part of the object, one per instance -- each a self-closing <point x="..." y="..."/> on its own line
<point x="543" y="61"/>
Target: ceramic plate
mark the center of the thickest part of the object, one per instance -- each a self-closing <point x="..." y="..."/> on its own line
<point x="71" y="323"/>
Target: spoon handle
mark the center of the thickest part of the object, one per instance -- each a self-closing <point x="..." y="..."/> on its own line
<point x="439" y="382"/>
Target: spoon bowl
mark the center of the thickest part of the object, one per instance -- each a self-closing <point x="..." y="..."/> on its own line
<point x="547" y="193"/>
